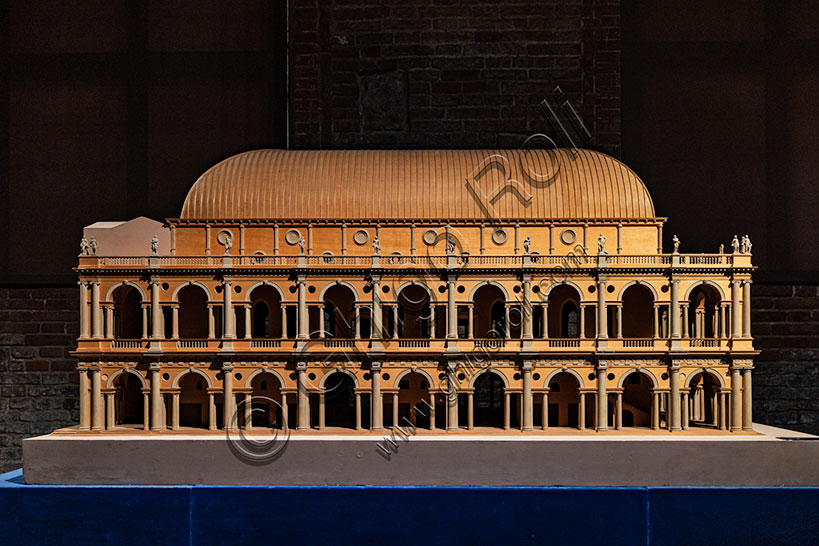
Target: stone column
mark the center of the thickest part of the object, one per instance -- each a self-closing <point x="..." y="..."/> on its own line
<point x="96" y="323"/>
<point x="229" y="405"/>
<point x="545" y="322"/>
<point x="211" y="323"/>
<point x="470" y="328"/>
<point x="175" y="412"/>
<point x="85" y="401"/>
<point x="674" y="402"/>
<point x="431" y="410"/>
<point x="229" y="316"/>
<point x="655" y="411"/>
<point x="619" y="310"/>
<point x="302" y="323"/>
<point x="736" y="400"/>
<point x="602" y="315"/>
<point x="175" y="321"/>
<point x="451" y="310"/>
<point x="211" y="411"/>
<point x="507" y="326"/>
<point x="321" y="321"/>
<point x="144" y="322"/>
<point x="686" y="410"/>
<point x="722" y="420"/>
<point x="528" y="411"/>
<point x="377" y="403"/>
<point x="746" y="308"/>
<point x="156" y="400"/>
<point x="656" y="321"/>
<point x="747" y="419"/>
<point x="84" y="323"/>
<point x="109" y="411"/>
<point x="544" y="412"/>
<point x="109" y="321"/>
<point x="357" y="321"/>
<point x="285" y="412"/>
<point x="146" y="410"/>
<point x="470" y="411"/>
<point x="674" y="311"/>
<point x="358" y="411"/>
<point x="395" y="409"/>
<point x="375" y="313"/>
<point x="248" y="325"/>
<point x="156" y="310"/>
<point x="249" y="411"/>
<point x="581" y="411"/>
<point x="284" y="321"/>
<point x="527" y="311"/>
<point x="736" y="322"/>
<point x="582" y="312"/>
<point x="685" y="320"/>
<point x="618" y="413"/>
<point x="722" y="320"/>
<point x="452" y="398"/>
<point x="602" y="398"/>
<point x="431" y="320"/>
<point x="322" y="415"/>
<point x="507" y="410"/>
<point x="395" y="325"/>
<point x="303" y="400"/>
<point x="97" y="409"/>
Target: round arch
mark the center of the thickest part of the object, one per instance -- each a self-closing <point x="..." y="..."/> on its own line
<point x="650" y="375"/>
<point x="250" y="290"/>
<point x="545" y="293"/>
<point x="697" y="284"/>
<point x="110" y="383"/>
<point x="339" y="370"/>
<point x="419" y="371"/>
<point x="110" y="294"/>
<point x="175" y="295"/>
<point x="488" y="283"/>
<point x="638" y="283"/>
<point x="580" y="383"/>
<point x="485" y="371"/>
<point x="338" y="283"/>
<point x="429" y="291"/>
<point x="690" y="377"/>
<point x="176" y="379"/>
<point x="271" y="371"/>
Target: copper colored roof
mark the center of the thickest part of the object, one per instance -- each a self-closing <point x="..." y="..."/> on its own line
<point x="419" y="185"/>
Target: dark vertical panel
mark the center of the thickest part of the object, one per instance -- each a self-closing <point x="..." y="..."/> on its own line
<point x="137" y="162"/>
<point x="4" y="138"/>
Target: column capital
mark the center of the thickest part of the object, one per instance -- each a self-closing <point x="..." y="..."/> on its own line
<point x="527" y="365"/>
<point x="227" y="367"/>
<point x="154" y="366"/>
<point x="301" y="366"/>
<point x="375" y="365"/>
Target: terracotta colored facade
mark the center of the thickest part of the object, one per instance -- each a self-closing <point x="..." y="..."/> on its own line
<point x="445" y="290"/>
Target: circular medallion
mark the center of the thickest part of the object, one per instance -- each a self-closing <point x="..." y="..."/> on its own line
<point x="568" y="236"/>
<point x="292" y="236"/>
<point x="361" y="236"/>
<point x="429" y="237"/>
<point x="499" y="236"/>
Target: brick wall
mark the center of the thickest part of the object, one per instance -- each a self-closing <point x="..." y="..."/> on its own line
<point x="38" y="381"/>
<point x="440" y="73"/>
<point x="785" y="325"/>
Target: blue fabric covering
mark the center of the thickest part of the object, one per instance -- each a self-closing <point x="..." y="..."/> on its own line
<point x="35" y="514"/>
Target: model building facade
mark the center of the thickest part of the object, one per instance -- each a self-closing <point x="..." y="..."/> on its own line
<point x="450" y="290"/>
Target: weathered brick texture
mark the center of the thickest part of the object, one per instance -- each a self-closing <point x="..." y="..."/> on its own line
<point x="451" y="74"/>
<point x="38" y="381"/>
<point x="785" y="325"/>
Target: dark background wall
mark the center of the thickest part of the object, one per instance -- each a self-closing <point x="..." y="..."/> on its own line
<point x="111" y="109"/>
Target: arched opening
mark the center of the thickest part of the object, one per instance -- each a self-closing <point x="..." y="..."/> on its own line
<point x="413" y="400"/>
<point x="564" y="397"/>
<point x="267" y="399"/>
<point x="193" y="313"/>
<point x="266" y="314"/>
<point x="339" y="312"/>
<point x="637" y="400"/>
<point x="703" y="400"/>
<point x="339" y="401"/>
<point x="127" y="313"/>
<point x="489" y="312"/>
<point x="702" y="312"/>
<point x="564" y="312"/>
<point x="414" y="312"/>
<point x="488" y="400"/>
<point x="193" y="401"/>
<point x="638" y="312"/>
<point x="128" y="399"/>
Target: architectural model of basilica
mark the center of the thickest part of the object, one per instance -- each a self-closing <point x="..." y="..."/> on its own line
<point x="449" y="290"/>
